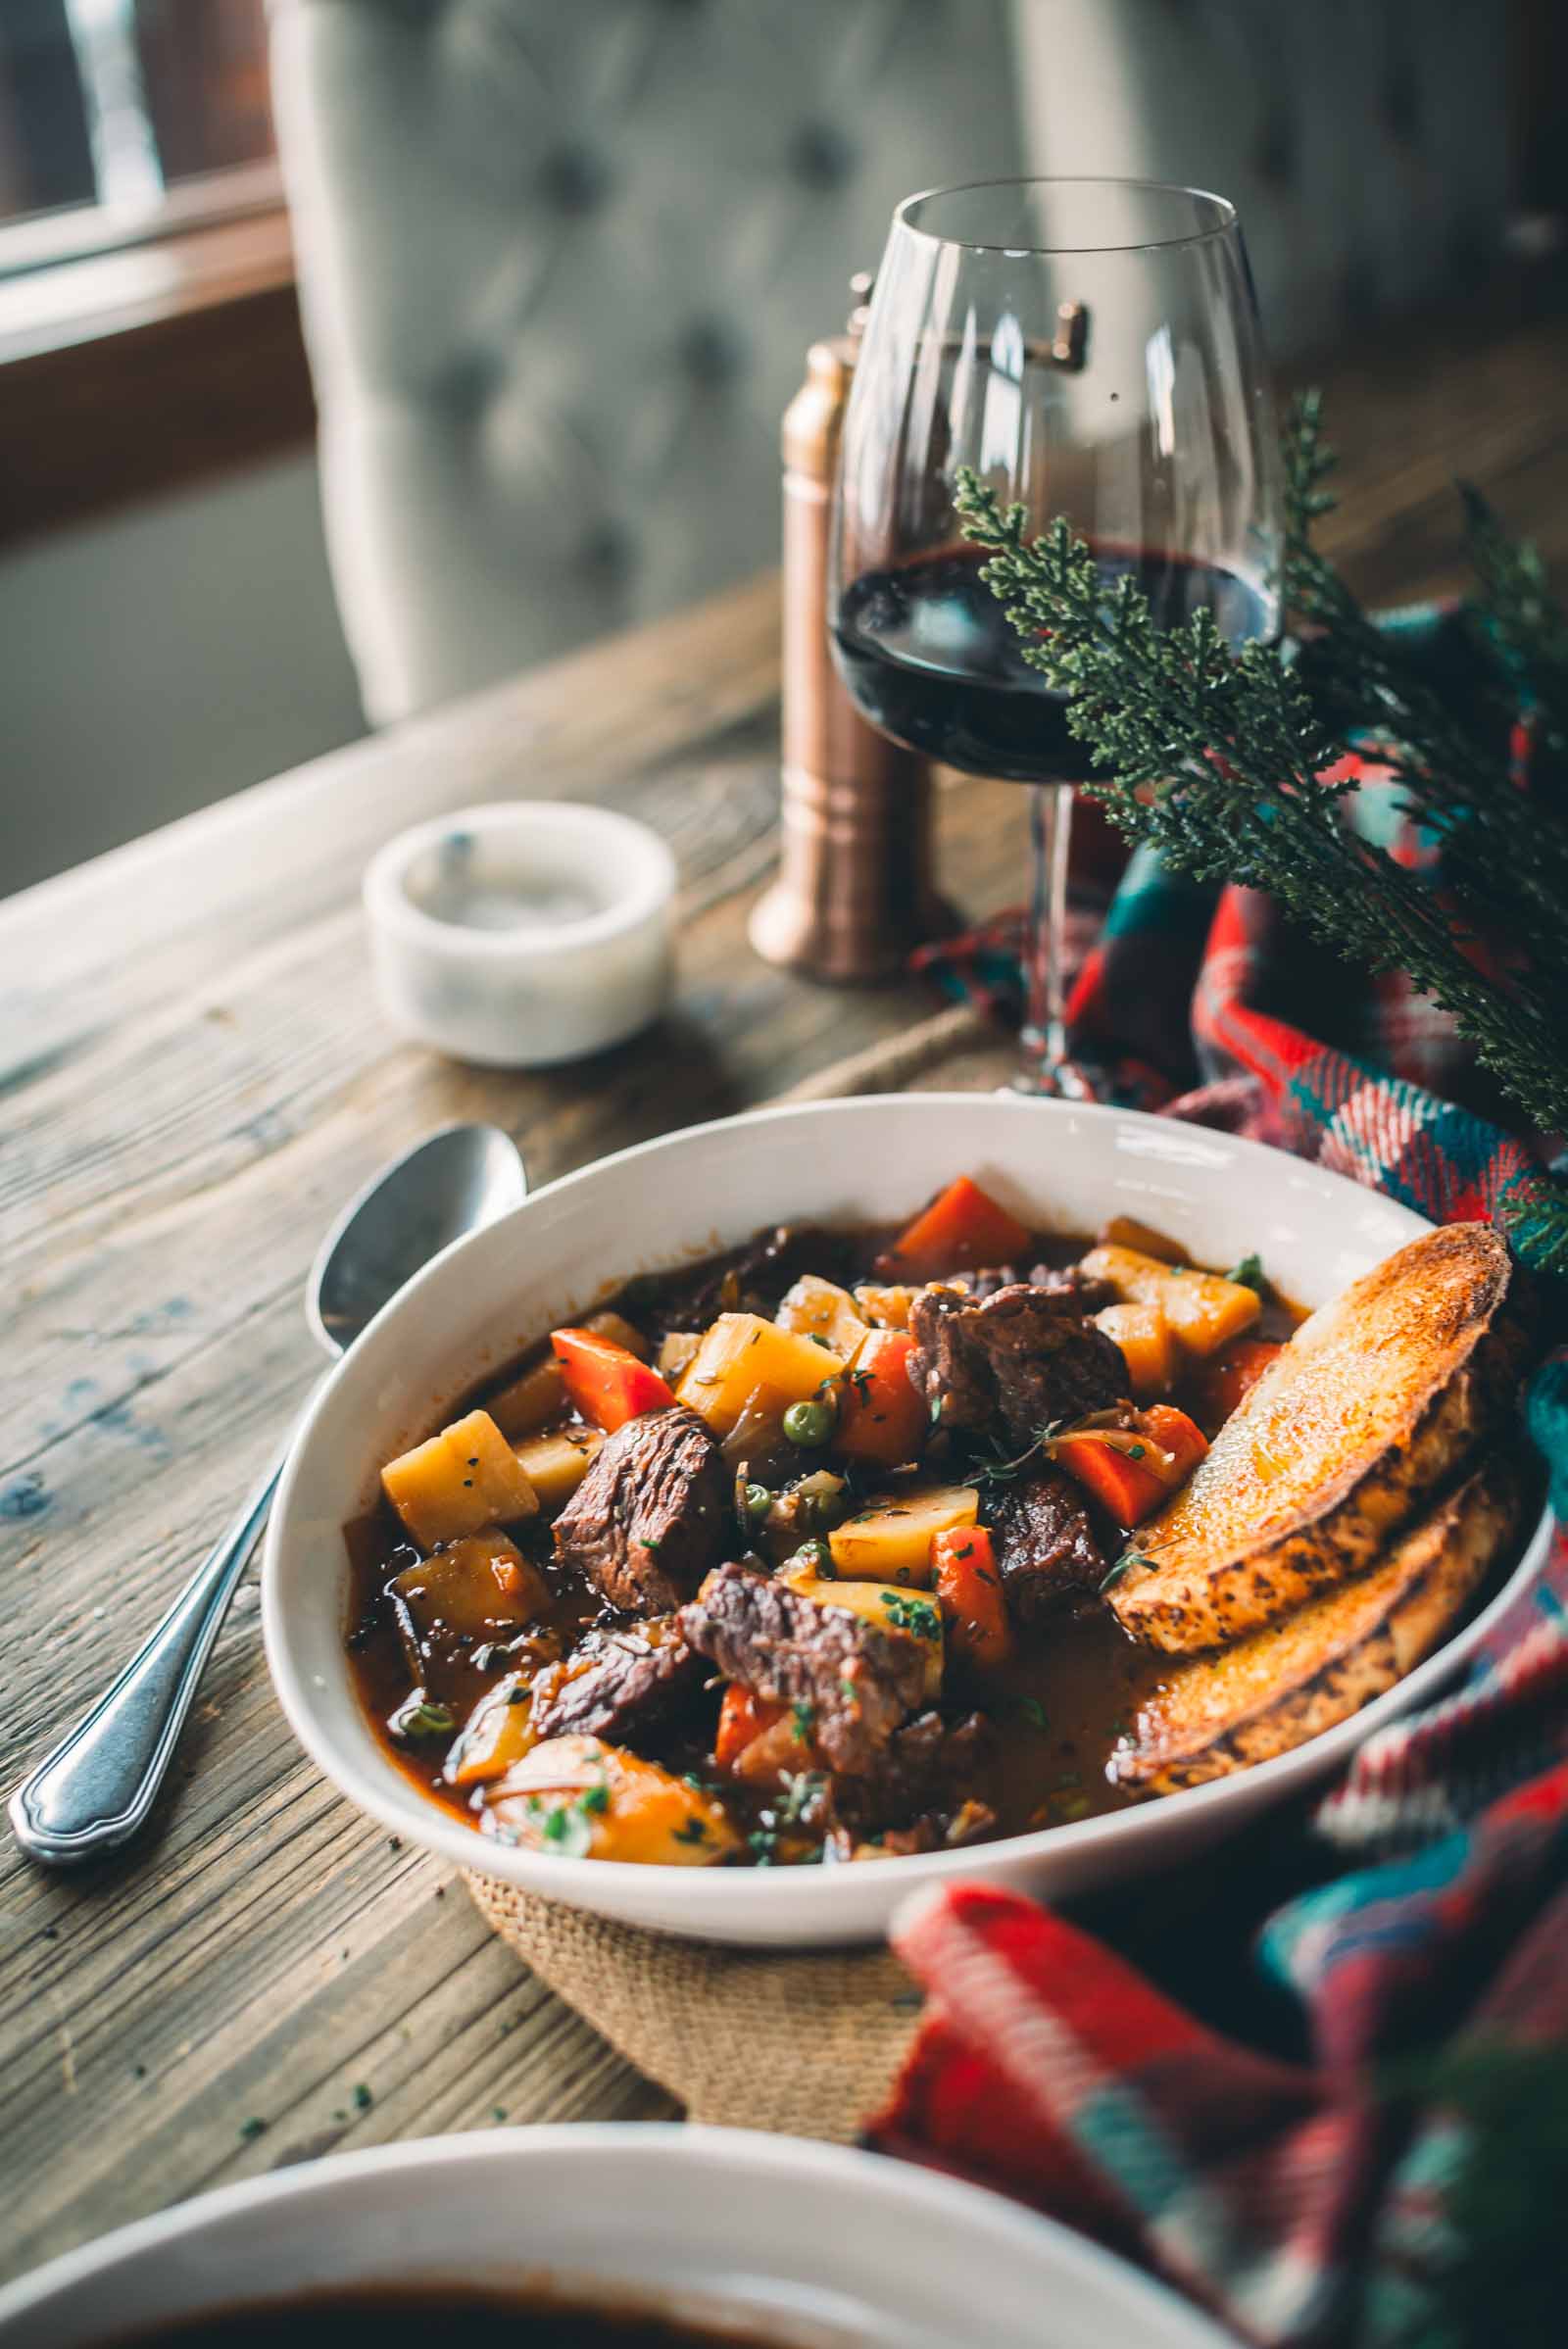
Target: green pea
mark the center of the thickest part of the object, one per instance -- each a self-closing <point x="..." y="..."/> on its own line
<point x="759" y="1501"/>
<point x="814" y="1554"/>
<point x="810" y="1424"/>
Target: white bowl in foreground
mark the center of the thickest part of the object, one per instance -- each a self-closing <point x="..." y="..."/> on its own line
<point x="695" y="1192"/>
<point x="813" y="2244"/>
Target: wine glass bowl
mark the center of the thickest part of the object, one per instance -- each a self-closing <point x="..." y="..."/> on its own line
<point x="1089" y="348"/>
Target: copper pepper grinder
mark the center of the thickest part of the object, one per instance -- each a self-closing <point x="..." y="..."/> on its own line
<point x="853" y="891"/>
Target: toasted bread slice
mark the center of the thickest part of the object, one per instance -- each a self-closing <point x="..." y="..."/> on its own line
<point x="1283" y="1685"/>
<point x="1372" y="1408"/>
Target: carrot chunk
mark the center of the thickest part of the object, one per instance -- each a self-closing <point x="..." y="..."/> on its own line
<point x="606" y="1381"/>
<point x="741" y="1718"/>
<point x="968" y="1587"/>
<point x="962" y="1228"/>
<point x="882" y="1418"/>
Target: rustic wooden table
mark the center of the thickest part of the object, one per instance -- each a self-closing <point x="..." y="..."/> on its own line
<point x="194" y="1075"/>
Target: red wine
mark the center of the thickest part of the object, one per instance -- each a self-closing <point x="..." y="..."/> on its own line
<point x="929" y="657"/>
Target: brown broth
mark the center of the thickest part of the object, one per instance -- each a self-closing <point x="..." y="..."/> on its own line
<point x="430" y="2316"/>
<point x="1058" y="1706"/>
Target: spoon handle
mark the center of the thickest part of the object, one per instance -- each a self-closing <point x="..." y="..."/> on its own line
<point x="97" y="1786"/>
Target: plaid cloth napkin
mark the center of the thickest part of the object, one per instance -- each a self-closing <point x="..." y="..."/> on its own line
<point x="1320" y="2201"/>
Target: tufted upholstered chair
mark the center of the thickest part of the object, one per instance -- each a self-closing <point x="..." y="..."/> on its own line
<point x="560" y="259"/>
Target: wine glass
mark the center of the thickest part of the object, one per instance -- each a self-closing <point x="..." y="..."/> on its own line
<point x="1091" y="348"/>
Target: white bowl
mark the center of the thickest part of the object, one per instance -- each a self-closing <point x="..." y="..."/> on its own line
<point x="831" y="2249"/>
<point x="478" y="1304"/>
<point x="524" y="933"/>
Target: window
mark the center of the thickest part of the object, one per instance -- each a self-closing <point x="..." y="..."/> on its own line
<point x="124" y="119"/>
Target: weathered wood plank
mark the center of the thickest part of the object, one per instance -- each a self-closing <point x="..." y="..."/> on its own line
<point x="196" y="1075"/>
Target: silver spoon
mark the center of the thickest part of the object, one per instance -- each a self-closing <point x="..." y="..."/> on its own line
<point x="98" y="1785"/>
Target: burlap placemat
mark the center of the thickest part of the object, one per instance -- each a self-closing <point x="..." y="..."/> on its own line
<point x="806" y="2043"/>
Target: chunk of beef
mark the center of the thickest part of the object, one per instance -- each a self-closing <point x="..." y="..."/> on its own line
<point x="1044" y="1542"/>
<point x="1080" y="1293"/>
<point x="652" y="1514"/>
<point x="1012" y="1363"/>
<point x="927" y="1770"/>
<point x="1076" y="1291"/>
<point x="859" y="1680"/>
<point x="618" y="1683"/>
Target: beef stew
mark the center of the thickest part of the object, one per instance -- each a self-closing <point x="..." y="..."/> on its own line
<point x="797" y="1554"/>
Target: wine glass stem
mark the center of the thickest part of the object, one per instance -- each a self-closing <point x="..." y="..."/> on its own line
<point x="1043" y="1038"/>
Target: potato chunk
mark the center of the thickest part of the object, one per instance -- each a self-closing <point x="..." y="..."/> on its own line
<point x="1205" y="1310"/>
<point x="889" y="1541"/>
<point x="818" y="1308"/>
<point x="584" y="1799"/>
<point x="530" y="1401"/>
<point x="749" y="1367"/>
<point x="463" y="1480"/>
<point x="901" y="1613"/>
<point x="555" y="1465"/>
<point x="677" y="1353"/>
<point x="498" y="1732"/>
<point x="480" y="1586"/>
<point x="885" y="1305"/>
<point x="1148" y="1347"/>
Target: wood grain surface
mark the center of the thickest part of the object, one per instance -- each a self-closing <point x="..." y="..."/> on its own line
<point x="193" y="1074"/>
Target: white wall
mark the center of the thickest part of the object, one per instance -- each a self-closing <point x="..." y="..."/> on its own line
<point x="161" y="658"/>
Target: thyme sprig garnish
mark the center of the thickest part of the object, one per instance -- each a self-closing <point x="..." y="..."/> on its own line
<point x="1225" y="760"/>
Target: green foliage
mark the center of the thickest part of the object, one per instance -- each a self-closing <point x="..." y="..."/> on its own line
<point x="1216" y="758"/>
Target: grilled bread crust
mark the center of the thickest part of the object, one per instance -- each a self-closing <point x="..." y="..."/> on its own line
<point x="1372" y="1408"/>
<point x="1270" y="1692"/>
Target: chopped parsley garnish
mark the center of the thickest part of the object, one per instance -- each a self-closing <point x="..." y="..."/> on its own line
<point x="916" y="1615"/>
<point x="803" y="1713"/>
<point x="1034" y="1712"/>
<point x="817" y="1338"/>
<point x="694" y="1831"/>
<point x="363" y="2099"/>
<point x="252" y="2127"/>
<point x="800" y="1790"/>
<point x="1248" y="1274"/>
<point x="569" y="1825"/>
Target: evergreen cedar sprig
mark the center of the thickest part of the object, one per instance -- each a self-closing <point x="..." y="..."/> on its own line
<point x="1216" y="757"/>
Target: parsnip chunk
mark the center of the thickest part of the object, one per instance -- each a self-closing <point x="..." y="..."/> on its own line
<point x="889" y="1541"/>
<point x="585" y="1799"/>
<point x="463" y="1480"/>
<point x="750" y="1367"/>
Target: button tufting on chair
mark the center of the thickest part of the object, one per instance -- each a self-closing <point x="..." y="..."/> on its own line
<point x="711" y="351"/>
<point x="609" y="549"/>
<point x="822" y="156"/>
<point x="563" y="261"/>
<point x="575" y="180"/>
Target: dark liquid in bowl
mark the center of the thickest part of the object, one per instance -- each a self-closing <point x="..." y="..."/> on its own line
<point x="431" y="2316"/>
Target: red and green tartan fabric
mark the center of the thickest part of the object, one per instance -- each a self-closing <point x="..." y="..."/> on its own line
<point x="1292" y="2199"/>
